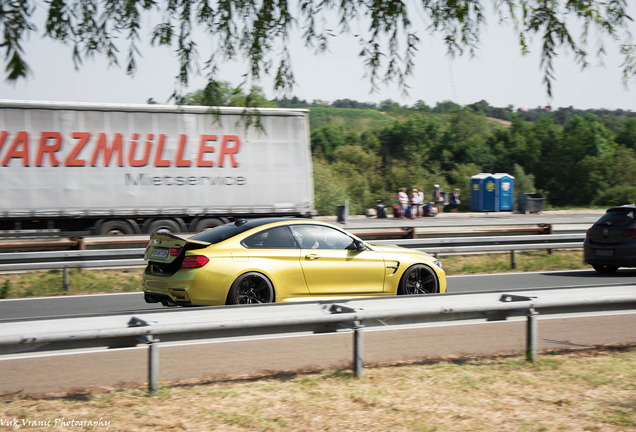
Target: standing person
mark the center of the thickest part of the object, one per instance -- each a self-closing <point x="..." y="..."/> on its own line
<point x="404" y="201"/>
<point x="420" y="203"/>
<point x="415" y="201"/>
<point x="437" y="197"/>
<point x="455" y="200"/>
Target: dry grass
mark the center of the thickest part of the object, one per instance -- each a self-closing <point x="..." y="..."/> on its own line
<point x="592" y="390"/>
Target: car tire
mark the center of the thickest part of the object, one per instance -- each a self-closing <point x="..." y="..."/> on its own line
<point x="605" y="269"/>
<point x="251" y="288"/>
<point x="418" y="279"/>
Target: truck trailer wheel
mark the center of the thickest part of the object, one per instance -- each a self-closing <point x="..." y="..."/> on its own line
<point x="163" y="225"/>
<point x="115" y="227"/>
<point x="207" y="223"/>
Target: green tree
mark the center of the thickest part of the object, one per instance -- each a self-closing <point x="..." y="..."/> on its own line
<point x="627" y="135"/>
<point x="329" y="192"/>
<point x="412" y="139"/>
<point x="327" y="139"/>
<point x="465" y="130"/>
<point x="420" y="105"/>
<point x="524" y="183"/>
<point x="582" y="161"/>
<point x="221" y="93"/>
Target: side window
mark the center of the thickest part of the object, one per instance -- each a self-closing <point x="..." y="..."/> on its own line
<point x="275" y="238"/>
<point x="321" y="237"/>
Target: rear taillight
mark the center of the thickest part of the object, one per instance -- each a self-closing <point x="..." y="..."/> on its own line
<point x="629" y="233"/>
<point x="588" y="232"/>
<point x="147" y="247"/>
<point x="194" y="261"/>
<point x="175" y="252"/>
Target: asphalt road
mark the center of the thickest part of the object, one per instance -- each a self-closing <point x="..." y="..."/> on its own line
<point x="214" y="359"/>
<point x="131" y="303"/>
<point x="561" y="217"/>
<point x="218" y="359"/>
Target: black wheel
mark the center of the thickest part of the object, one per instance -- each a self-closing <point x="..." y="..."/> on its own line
<point x="251" y="288"/>
<point x="418" y="279"/>
<point x="605" y="269"/>
<point x="116" y="227"/>
<point x="164" y="225"/>
<point x="207" y="223"/>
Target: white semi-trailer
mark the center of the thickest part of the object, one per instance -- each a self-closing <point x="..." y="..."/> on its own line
<point x="130" y="169"/>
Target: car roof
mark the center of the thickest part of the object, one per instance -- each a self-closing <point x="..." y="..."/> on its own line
<point x="254" y="223"/>
<point x="241" y="226"/>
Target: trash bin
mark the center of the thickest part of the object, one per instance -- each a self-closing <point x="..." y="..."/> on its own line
<point x="380" y="211"/>
<point x="530" y="202"/>
<point x="340" y="214"/>
<point x="446" y="197"/>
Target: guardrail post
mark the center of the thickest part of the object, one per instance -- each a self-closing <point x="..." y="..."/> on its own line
<point x="153" y="364"/>
<point x="153" y="353"/>
<point x="65" y="279"/>
<point x="358" y="336"/>
<point x="358" y="348"/>
<point x="513" y="259"/>
<point x="531" y="336"/>
<point x="79" y="245"/>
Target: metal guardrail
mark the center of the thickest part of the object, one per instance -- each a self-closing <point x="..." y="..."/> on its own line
<point x="71" y="259"/>
<point x="65" y="260"/>
<point x="364" y="230"/>
<point x="354" y="314"/>
<point x="454" y="244"/>
<point x="133" y="256"/>
<point x="459" y="245"/>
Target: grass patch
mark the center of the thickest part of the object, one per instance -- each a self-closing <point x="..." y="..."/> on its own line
<point x="526" y="261"/>
<point x="51" y="282"/>
<point x="452" y="394"/>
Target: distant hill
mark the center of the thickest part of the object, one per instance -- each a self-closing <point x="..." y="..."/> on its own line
<point x="358" y="120"/>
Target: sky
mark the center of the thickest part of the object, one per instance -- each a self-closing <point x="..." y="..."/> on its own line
<point x="498" y="74"/>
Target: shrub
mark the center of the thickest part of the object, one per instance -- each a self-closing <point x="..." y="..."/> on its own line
<point x="615" y="196"/>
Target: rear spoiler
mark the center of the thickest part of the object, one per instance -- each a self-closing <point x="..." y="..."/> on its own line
<point x="186" y="242"/>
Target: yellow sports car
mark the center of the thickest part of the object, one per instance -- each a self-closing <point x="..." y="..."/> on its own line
<point x="281" y="260"/>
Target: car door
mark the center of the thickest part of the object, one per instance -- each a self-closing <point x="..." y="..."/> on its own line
<point x="331" y="264"/>
<point x="275" y="252"/>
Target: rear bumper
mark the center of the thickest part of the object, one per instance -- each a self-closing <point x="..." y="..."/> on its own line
<point x="621" y="255"/>
<point x="184" y="288"/>
<point x="160" y="298"/>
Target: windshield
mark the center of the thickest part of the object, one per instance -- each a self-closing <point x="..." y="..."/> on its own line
<point x="617" y="218"/>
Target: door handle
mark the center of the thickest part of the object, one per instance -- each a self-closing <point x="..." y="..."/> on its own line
<point x="312" y="257"/>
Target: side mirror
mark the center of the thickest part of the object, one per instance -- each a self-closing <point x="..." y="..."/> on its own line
<point x="359" y="245"/>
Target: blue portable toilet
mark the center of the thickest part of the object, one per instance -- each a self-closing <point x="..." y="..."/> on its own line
<point x="483" y="192"/>
<point x="505" y="185"/>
